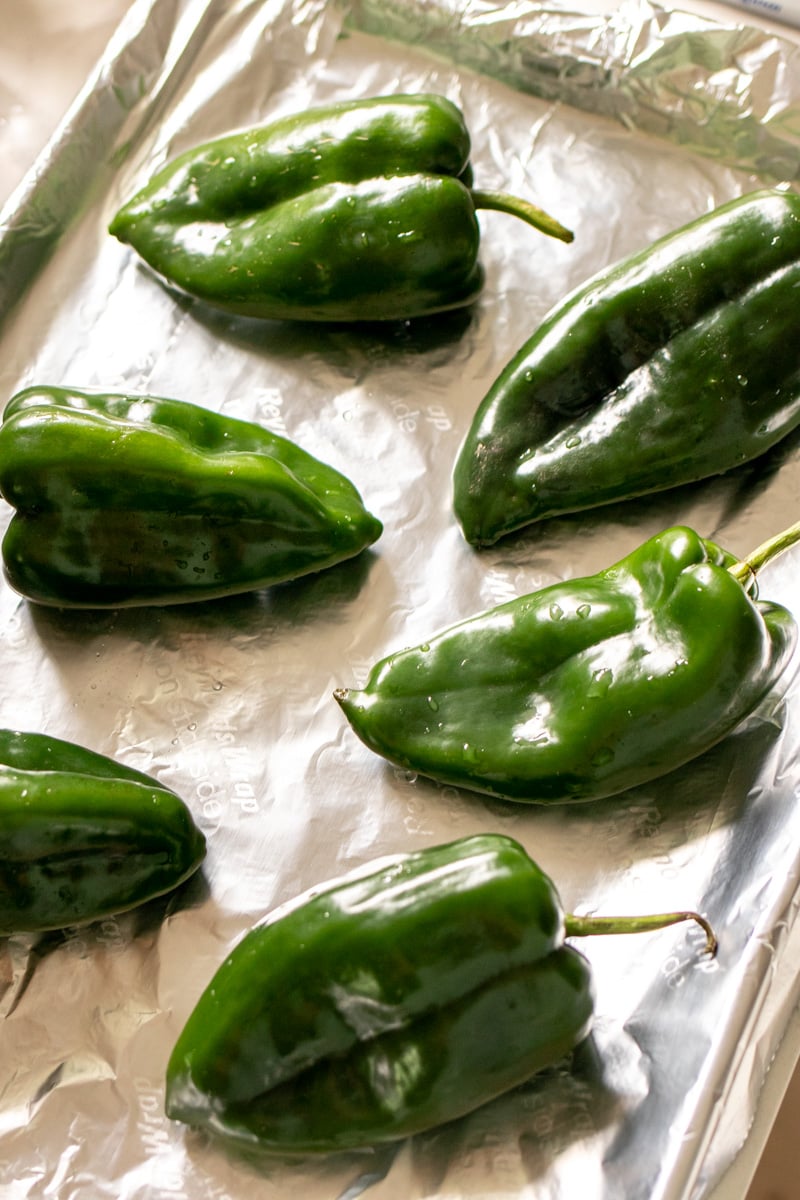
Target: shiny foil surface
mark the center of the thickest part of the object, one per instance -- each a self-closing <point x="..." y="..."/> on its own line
<point x="624" y="126"/>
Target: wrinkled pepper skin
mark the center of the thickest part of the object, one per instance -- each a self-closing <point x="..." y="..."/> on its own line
<point x="83" y="837"/>
<point x="584" y="688"/>
<point x="678" y="363"/>
<point x="135" y="500"/>
<point x="395" y="999"/>
<point x="356" y="211"/>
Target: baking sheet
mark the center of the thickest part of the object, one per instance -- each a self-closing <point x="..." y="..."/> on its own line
<point x="621" y="125"/>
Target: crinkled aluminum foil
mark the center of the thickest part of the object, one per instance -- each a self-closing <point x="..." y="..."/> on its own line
<point x="625" y="126"/>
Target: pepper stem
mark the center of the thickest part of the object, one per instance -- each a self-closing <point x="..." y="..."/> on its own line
<point x="516" y="207"/>
<point x="587" y="926"/>
<point x="752" y="564"/>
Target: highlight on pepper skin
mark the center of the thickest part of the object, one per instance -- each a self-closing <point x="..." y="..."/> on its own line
<point x="83" y="837"/>
<point x="399" y="997"/>
<point x="671" y="366"/>
<point x="356" y="211"/>
<point x="129" y="500"/>
<point x="587" y="687"/>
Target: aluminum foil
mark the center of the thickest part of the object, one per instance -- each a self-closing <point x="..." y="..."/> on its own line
<point x="625" y="125"/>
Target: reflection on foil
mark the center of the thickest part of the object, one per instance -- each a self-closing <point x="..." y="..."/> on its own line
<point x="730" y="92"/>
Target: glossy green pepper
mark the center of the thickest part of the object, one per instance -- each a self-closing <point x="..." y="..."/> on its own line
<point x="357" y="211"/>
<point x="131" y="500"/>
<point x="83" y="837"/>
<point x="587" y="687"/>
<point x="678" y="363"/>
<point x="390" y="1001"/>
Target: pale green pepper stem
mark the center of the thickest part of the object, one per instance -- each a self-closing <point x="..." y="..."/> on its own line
<point x="589" y="926"/>
<point x="516" y="207"/>
<point x="752" y="564"/>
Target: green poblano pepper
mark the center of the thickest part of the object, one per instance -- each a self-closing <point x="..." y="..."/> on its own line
<point x="83" y="837"/>
<point x="676" y="364"/>
<point x="132" y="500"/>
<point x="587" y="687"/>
<point x="356" y="211"/>
<point x="392" y="1000"/>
